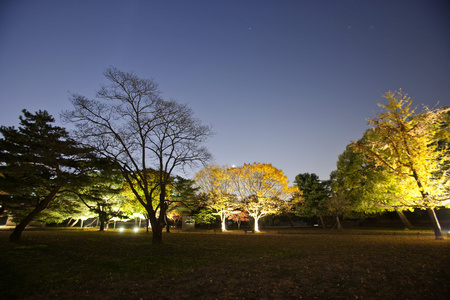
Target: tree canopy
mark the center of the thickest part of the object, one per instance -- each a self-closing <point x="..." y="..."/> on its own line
<point x="214" y="183"/>
<point x="405" y="143"/>
<point x="40" y="164"/>
<point x="314" y="194"/>
<point x="262" y="189"/>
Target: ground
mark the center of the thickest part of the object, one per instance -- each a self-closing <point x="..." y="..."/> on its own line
<point x="324" y="264"/>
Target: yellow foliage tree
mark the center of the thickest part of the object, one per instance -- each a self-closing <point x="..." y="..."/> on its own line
<point x="262" y="189"/>
<point x="405" y="143"/>
<point x="214" y="182"/>
<point x="133" y="206"/>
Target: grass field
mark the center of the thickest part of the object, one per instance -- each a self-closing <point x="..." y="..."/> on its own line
<point x="73" y="264"/>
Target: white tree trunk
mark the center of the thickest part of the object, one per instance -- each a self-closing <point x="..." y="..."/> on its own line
<point x="256" y="224"/>
<point x="224" y="228"/>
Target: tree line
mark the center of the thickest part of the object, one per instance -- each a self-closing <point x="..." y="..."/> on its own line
<point x="127" y="124"/>
<point x="130" y="144"/>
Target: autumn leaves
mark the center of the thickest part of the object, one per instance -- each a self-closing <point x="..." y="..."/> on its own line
<point x="259" y="189"/>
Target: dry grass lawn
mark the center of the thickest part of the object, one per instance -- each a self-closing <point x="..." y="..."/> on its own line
<point x="72" y="264"/>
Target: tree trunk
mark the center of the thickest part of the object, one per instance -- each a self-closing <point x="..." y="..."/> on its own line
<point x="438" y="235"/>
<point x="224" y="219"/>
<point x="95" y="220"/>
<point x="102" y="218"/>
<point x="157" y="228"/>
<point x="256" y="228"/>
<point x="102" y="225"/>
<point x="157" y="234"/>
<point x="166" y="220"/>
<point x="436" y="226"/>
<point x="338" y="222"/>
<point x="75" y="223"/>
<point x="158" y="223"/>
<point x="17" y="233"/>
<point x="405" y="221"/>
<point x="322" y="221"/>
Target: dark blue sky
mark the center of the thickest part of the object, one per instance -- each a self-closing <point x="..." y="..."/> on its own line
<point x="284" y="82"/>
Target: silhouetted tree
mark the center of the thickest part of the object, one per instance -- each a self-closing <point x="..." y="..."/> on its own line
<point x="132" y="125"/>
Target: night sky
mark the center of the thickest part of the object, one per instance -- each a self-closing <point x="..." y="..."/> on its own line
<point x="284" y="82"/>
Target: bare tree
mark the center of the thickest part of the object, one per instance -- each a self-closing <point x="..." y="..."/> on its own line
<point x="129" y="123"/>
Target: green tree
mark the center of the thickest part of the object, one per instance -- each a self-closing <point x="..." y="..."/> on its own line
<point x="129" y="123"/>
<point x="63" y="207"/>
<point x="39" y="164"/>
<point x="184" y="192"/>
<point x="405" y="144"/>
<point x="366" y="187"/>
<point x="103" y="196"/>
<point x="314" y="193"/>
<point x="183" y="199"/>
<point x="204" y="215"/>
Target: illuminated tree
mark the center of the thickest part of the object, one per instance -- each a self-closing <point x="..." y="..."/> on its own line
<point x="40" y="164"/>
<point x="443" y="145"/>
<point x="103" y="195"/>
<point x="132" y="125"/>
<point x="261" y="188"/>
<point x="215" y="184"/>
<point x="58" y="210"/>
<point x="204" y="215"/>
<point x="405" y="143"/>
<point x="175" y="216"/>
<point x="181" y="199"/>
<point x="134" y="208"/>
<point x="367" y="187"/>
<point x="239" y="216"/>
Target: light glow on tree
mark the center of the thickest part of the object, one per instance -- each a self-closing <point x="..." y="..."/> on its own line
<point x="214" y="182"/>
<point x="262" y="189"/>
<point x="406" y="144"/>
